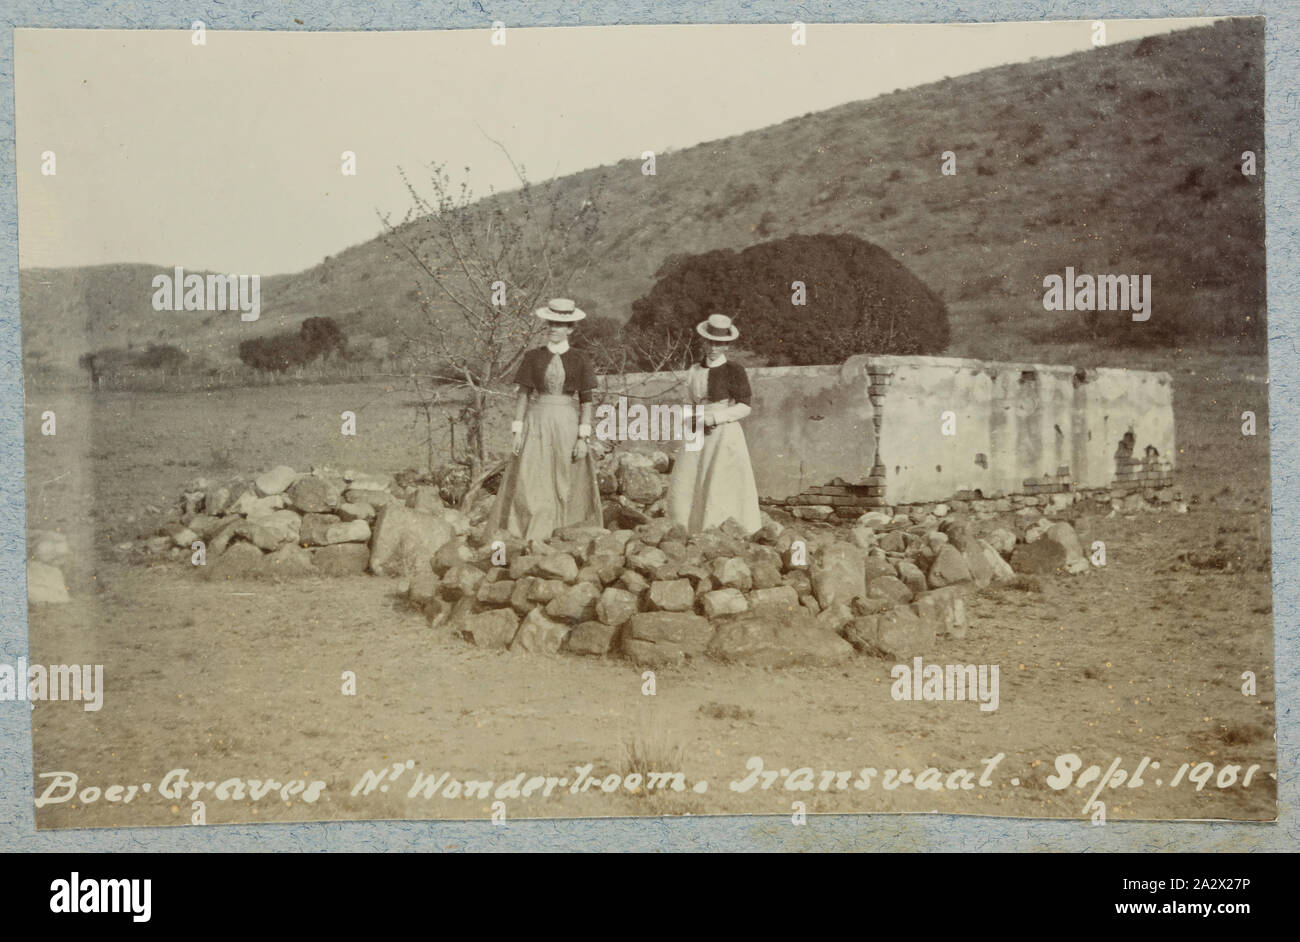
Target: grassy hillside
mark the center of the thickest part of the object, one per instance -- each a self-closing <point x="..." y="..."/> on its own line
<point x="1123" y="159"/>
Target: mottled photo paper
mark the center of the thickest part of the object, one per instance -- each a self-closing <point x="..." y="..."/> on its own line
<point x="512" y="423"/>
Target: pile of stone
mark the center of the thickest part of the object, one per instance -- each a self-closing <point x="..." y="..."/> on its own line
<point x="289" y="523"/>
<point x="1116" y="500"/>
<point x="633" y="486"/>
<point x="886" y="584"/>
<point x="657" y="595"/>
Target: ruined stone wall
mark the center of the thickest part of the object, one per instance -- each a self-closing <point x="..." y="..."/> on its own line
<point x="871" y="432"/>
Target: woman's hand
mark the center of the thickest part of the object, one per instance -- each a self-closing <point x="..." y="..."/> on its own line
<point x="517" y="441"/>
<point x="580" y="450"/>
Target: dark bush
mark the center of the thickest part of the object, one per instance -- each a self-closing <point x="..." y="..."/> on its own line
<point x="316" y="337"/>
<point x="859" y="300"/>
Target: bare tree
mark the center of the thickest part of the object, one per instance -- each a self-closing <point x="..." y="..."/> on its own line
<point x="483" y="265"/>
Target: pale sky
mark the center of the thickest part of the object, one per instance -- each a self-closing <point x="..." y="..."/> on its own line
<point x="226" y="156"/>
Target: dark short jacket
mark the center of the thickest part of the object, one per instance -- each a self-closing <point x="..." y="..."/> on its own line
<point x="729" y="381"/>
<point x="579" y="377"/>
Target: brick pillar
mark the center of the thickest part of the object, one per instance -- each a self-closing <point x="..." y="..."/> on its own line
<point x="880" y="379"/>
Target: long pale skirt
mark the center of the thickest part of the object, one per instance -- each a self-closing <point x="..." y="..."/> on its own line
<point x="543" y="488"/>
<point x="716" y="482"/>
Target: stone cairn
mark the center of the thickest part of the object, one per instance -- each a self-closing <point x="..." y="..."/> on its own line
<point x="886" y="583"/>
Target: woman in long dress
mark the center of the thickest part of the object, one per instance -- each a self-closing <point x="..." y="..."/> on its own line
<point x="717" y="480"/>
<point x="551" y="480"/>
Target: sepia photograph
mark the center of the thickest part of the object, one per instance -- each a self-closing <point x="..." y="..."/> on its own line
<point x="639" y="421"/>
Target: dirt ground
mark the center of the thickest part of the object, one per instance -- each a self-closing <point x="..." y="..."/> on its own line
<point x="243" y="679"/>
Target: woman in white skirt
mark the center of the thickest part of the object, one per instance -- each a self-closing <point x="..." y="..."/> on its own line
<point x="551" y="481"/>
<point x="716" y="481"/>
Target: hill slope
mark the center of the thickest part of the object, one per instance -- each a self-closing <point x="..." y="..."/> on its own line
<point x="1114" y="160"/>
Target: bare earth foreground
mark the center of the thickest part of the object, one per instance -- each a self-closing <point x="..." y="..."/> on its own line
<point x="1141" y="658"/>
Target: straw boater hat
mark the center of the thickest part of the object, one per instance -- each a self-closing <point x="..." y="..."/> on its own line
<point x="717" y="328"/>
<point x="561" y="311"/>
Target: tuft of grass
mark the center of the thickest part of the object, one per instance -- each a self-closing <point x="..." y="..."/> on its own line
<point x="652" y="747"/>
<point x="726" y="711"/>
<point x="221" y="456"/>
<point x="1021" y="583"/>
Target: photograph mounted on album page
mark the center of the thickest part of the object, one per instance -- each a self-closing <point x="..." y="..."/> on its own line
<point x="636" y="421"/>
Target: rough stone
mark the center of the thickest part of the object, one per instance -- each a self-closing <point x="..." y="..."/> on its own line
<point x="253" y="507"/>
<point x="314" y="527"/>
<point x="455" y="552"/>
<point x="591" y="638"/>
<point x="615" y="606"/>
<point x="647" y="560"/>
<point x="913" y="577"/>
<point x="497" y="592"/>
<point x="560" y="566"/>
<point x="839" y="573"/>
<point x="1001" y="570"/>
<point x="642" y="485"/>
<point x="1056" y="551"/>
<point x="765" y="641"/>
<point x="405" y="540"/>
<point x="949" y="567"/>
<point x="813" y="512"/>
<point x="539" y="635"/>
<point x="634" y="582"/>
<point x="181" y="535"/>
<point x="461" y="582"/>
<point x="274" y="481"/>
<point x="349" y="511"/>
<point x="1037" y="529"/>
<point x="877" y="566"/>
<point x="673" y="595"/>
<point x="732" y="572"/>
<point x="313" y="495"/>
<point x="216" y="501"/>
<point x="957" y="533"/>
<point x="289" y="561"/>
<point x="834" y="618"/>
<point x="342" y="559"/>
<point x="981" y="573"/>
<point x="889" y="589"/>
<point x="897" y="633"/>
<point x="944" y="610"/>
<point x="238" y="560"/>
<point x="204" y="525"/>
<point x="374" y="497"/>
<point x="574" y="604"/>
<point x="495" y="628"/>
<point x="892" y="542"/>
<point x="776" y="600"/>
<point x="659" y="638"/>
<point x="1002" y="540"/>
<point x="728" y="601"/>
<point x="283" y="525"/>
<point x="354" y="531"/>
<point x="543" y="590"/>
